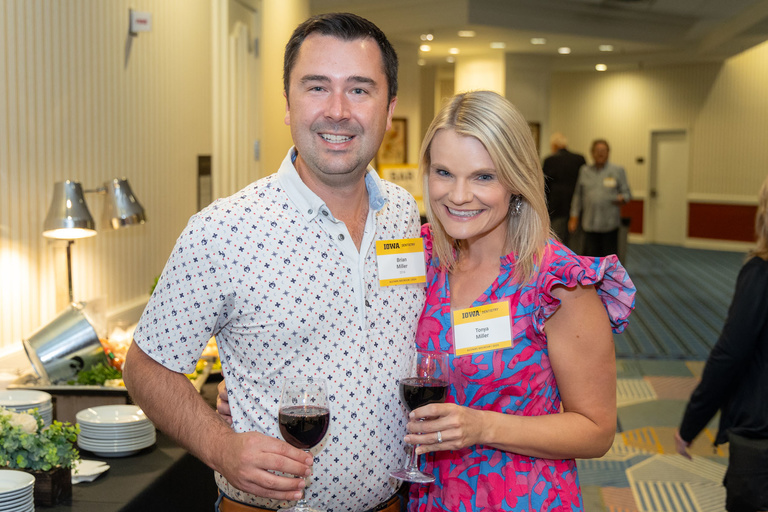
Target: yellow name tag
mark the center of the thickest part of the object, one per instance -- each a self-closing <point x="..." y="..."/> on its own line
<point x="481" y="329"/>
<point x="401" y="261"/>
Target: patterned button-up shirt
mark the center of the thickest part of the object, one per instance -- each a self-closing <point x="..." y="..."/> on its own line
<point x="280" y="283"/>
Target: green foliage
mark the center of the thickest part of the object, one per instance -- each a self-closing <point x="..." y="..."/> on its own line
<point x="25" y="444"/>
<point x="97" y="375"/>
<point x="154" y="285"/>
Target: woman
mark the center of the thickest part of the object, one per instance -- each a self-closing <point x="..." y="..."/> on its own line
<point x="516" y="417"/>
<point x="735" y="381"/>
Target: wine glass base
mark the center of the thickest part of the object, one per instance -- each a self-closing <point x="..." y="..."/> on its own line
<point x="411" y="475"/>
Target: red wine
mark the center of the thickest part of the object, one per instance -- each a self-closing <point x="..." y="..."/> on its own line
<point x="304" y="426"/>
<point x="416" y="392"/>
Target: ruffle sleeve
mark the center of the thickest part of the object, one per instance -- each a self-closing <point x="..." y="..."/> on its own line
<point x="562" y="267"/>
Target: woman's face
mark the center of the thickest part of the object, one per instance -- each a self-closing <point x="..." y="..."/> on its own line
<point x="464" y="190"/>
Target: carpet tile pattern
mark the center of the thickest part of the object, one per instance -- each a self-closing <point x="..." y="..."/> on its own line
<point x="682" y="301"/>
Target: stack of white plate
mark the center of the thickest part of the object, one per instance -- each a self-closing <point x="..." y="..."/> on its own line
<point x="17" y="491"/>
<point x="24" y="400"/>
<point x="114" y="430"/>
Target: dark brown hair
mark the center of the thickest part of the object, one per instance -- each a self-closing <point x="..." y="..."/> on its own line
<point x="348" y="27"/>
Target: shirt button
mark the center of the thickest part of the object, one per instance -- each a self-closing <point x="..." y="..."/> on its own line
<point x="310" y="211"/>
<point x="367" y="304"/>
<point x="341" y="237"/>
<point x="325" y="213"/>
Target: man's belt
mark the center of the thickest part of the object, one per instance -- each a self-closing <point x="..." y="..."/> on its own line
<point x="228" y="505"/>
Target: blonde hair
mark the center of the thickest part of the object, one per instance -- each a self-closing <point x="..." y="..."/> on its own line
<point x="505" y="134"/>
<point x="761" y="224"/>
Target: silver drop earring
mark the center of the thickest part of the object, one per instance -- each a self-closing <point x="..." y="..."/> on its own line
<point x="515" y="204"/>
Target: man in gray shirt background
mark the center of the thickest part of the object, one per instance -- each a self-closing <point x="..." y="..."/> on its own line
<point x="601" y="190"/>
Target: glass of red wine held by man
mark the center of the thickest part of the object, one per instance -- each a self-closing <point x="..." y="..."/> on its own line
<point x="304" y="417"/>
<point x="427" y="383"/>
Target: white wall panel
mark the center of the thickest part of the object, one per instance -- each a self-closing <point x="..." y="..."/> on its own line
<point x="81" y="99"/>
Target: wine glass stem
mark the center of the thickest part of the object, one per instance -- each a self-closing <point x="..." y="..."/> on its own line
<point x="302" y="503"/>
<point x="413" y="464"/>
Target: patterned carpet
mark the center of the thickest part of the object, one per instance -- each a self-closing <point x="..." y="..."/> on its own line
<point x="682" y="300"/>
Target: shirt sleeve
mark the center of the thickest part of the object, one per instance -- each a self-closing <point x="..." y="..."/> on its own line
<point x="576" y="199"/>
<point x="624" y="185"/>
<point x="747" y="317"/>
<point x="562" y="267"/>
<point x="190" y="303"/>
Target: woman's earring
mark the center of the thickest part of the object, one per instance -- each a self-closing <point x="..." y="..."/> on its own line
<point x="515" y="204"/>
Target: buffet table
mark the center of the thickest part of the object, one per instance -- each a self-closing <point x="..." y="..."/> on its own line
<point x="162" y="477"/>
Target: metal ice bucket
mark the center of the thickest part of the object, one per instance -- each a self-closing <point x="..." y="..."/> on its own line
<point x="68" y="344"/>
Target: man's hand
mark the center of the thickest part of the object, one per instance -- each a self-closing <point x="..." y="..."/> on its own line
<point x="251" y="460"/>
<point x="222" y="402"/>
<point x="573" y="223"/>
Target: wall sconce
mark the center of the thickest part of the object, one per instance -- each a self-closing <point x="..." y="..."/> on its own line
<point x="69" y="219"/>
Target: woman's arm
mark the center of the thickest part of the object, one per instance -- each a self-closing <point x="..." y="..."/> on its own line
<point x="583" y="359"/>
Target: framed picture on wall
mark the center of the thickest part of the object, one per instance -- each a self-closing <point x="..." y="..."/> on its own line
<point x="394" y="147"/>
<point x="536" y="132"/>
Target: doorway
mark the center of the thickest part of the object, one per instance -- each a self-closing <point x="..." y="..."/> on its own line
<point x="667" y="214"/>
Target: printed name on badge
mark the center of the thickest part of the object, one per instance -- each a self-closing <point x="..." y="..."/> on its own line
<point x="481" y="329"/>
<point x="401" y="261"/>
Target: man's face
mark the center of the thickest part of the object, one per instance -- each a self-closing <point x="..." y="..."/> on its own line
<point x="600" y="154"/>
<point x="337" y="107"/>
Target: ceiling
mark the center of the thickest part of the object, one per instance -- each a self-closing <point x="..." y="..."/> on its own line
<point x="642" y="32"/>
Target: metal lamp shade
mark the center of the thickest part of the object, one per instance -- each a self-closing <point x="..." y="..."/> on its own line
<point x="121" y="208"/>
<point x="68" y="217"/>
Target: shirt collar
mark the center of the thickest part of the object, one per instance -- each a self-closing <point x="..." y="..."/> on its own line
<point x="309" y="203"/>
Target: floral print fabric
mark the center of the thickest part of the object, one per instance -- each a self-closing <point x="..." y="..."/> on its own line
<point x="516" y="380"/>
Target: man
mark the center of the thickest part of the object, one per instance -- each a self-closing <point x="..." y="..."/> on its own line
<point x="601" y="190"/>
<point x="284" y="274"/>
<point x="561" y="169"/>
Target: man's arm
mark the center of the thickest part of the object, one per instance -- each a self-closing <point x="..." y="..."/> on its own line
<point x="247" y="460"/>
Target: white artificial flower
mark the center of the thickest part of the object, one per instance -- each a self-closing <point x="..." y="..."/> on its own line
<point x="27" y="422"/>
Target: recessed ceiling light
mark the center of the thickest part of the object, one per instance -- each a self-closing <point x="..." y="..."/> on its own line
<point x="538" y="40"/>
<point x="425" y="48"/>
<point x="453" y="51"/>
<point x="427" y="37"/>
<point x="499" y="45"/>
<point x="563" y="50"/>
<point x="606" y="47"/>
<point x="450" y="59"/>
<point x="467" y="33"/>
<point x="601" y="67"/>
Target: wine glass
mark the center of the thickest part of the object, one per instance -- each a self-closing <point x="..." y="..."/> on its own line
<point x="304" y="417"/>
<point x="427" y="383"/>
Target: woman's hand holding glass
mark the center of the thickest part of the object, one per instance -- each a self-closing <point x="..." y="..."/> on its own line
<point x="426" y="383"/>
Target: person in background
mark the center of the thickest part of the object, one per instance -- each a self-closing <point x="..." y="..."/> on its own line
<point x="501" y="441"/>
<point x="735" y="382"/>
<point x="561" y="169"/>
<point x="601" y="190"/>
<point x="284" y="274"/>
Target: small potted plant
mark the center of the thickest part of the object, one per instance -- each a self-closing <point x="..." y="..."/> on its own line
<point x="48" y="453"/>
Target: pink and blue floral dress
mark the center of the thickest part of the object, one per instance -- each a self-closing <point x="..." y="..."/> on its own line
<point x="516" y="380"/>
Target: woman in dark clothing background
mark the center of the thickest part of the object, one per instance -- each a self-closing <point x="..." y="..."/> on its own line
<point x="735" y="381"/>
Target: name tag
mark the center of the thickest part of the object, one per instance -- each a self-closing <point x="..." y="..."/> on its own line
<point x="609" y="182"/>
<point x="401" y="261"/>
<point x="483" y="328"/>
